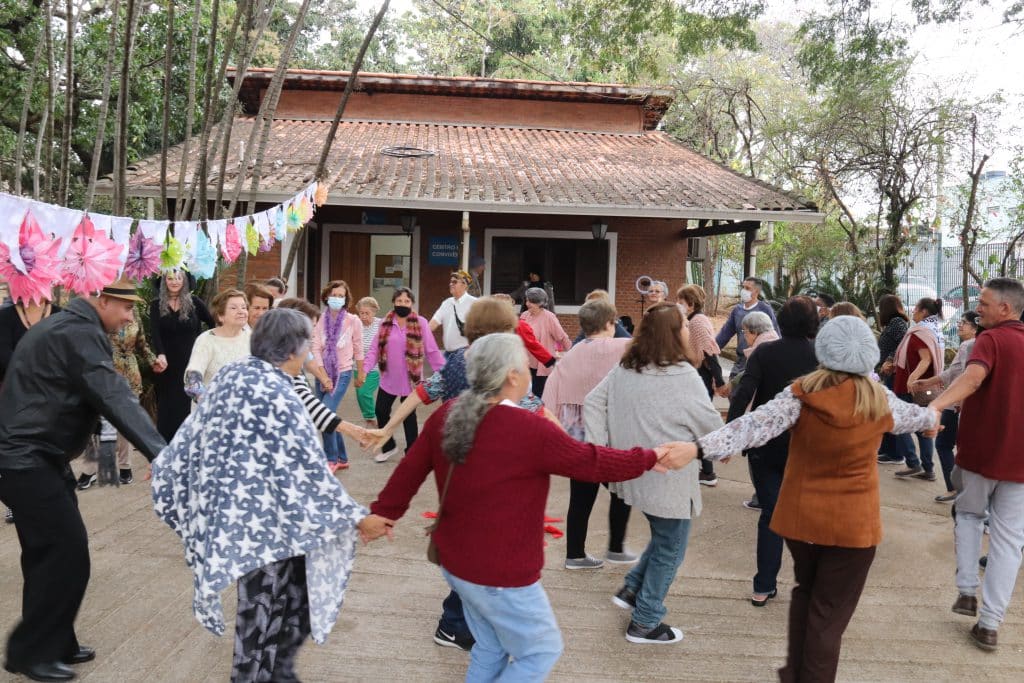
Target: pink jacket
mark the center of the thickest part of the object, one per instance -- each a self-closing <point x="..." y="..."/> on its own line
<point x="395" y="380"/>
<point x="350" y="341"/>
<point x="582" y="369"/>
<point x="549" y="333"/>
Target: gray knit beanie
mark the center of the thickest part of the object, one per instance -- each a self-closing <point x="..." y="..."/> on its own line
<point x="846" y="344"/>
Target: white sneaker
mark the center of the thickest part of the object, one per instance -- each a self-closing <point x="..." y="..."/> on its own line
<point x="384" y="455"/>
<point x="625" y="557"/>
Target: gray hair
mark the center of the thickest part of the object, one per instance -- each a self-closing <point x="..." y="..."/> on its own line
<point x="1009" y="290"/>
<point x="663" y="285"/>
<point x="756" y="322"/>
<point x="185" y="306"/>
<point x="279" y="334"/>
<point x="488" y="362"/>
<point x="536" y="295"/>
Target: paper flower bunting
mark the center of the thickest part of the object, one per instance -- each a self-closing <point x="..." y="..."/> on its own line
<point x="320" y="196"/>
<point x="266" y="244"/>
<point x="305" y="210"/>
<point x="231" y="246"/>
<point x="294" y="217"/>
<point x="92" y="260"/>
<point x="252" y="238"/>
<point x="204" y="261"/>
<point x="172" y="255"/>
<point x="143" y="257"/>
<point x="280" y="223"/>
<point x="42" y="265"/>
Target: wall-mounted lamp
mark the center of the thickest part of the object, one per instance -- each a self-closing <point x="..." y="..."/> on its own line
<point x="599" y="229"/>
<point x="408" y="223"/>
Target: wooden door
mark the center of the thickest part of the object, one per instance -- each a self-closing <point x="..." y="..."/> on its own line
<point x="349" y="260"/>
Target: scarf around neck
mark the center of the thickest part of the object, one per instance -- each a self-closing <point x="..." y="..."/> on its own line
<point x="413" y="345"/>
<point x="244" y="483"/>
<point x="929" y="332"/>
<point x="333" y="324"/>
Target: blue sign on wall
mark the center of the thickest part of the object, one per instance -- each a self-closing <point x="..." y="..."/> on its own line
<point x="443" y="251"/>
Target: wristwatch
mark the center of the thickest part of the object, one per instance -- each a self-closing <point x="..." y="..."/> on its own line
<point x="700" y="451"/>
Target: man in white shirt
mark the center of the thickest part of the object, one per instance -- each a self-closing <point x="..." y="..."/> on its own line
<point x="452" y="313"/>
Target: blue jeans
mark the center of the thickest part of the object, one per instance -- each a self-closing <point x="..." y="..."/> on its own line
<point x="767" y="469"/>
<point x="652" y="576"/>
<point x="517" y="637"/>
<point x="905" y="446"/>
<point x="944" y="444"/>
<point x="334" y="445"/>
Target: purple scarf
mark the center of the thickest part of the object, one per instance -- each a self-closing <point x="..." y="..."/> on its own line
<point x="332" y="328"/>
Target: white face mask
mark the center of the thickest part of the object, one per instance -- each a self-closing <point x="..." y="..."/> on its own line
<point x="746" y="295"/>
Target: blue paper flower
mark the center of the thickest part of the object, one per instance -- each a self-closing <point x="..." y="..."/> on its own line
<point x="203" y="262"/>
<point x="280" y="223"/>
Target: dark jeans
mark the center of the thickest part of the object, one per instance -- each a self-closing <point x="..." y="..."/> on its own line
<point x="766" y="470"/>
<point x="538" y="383"/>
<point x="582" y="495"/>
<point x="944" y="444"/>
<point x="903" y="445"/>
<point x="453" y="620"/>
<point x="54" y="563"/>
<point x="409" y="424"/>
<point x="829" y="581"/>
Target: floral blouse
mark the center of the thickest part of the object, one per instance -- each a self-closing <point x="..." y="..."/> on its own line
<point x="129" y="346"/>
<point x="782" y="412"/>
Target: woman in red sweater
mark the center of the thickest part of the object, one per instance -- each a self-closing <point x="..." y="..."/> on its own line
<point x="488" y="537"/>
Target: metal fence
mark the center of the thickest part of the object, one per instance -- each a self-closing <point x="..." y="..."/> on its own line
<point x="931" y="270"/>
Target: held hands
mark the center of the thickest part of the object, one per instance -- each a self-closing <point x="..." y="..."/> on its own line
<point x="374" y="439"/>
<point x="675" y="455"/>
<point x="360" y="379"/>
<point x="922" y="384"/>
<point x="326" y="384"/>
<point x="161" y="364"/>
<point x="937" y="420"/>
<point x="723" y="391"/>
<point x="373" y="527"/>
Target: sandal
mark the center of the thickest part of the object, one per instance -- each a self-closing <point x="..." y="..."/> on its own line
<point x="761" y="599"/>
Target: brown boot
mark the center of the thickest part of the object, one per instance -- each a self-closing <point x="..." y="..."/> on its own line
<point x="966" y="605"/>
<point x="985" y="638"/>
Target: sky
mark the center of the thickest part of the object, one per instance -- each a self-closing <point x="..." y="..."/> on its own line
<point x="976" y="57"/>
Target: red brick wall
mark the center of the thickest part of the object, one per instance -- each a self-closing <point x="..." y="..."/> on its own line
<point x="590" y="116"/>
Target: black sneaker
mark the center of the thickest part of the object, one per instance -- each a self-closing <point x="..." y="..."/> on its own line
<point x="708" y="479"/>
<point x="9" y="516"/>
<point x="662" y="634"/>
<point x="625" y="598"/>
<point x="461" y="641"/>
<point x="126" y="477"/>
<point x="890" y="459"/>
<point x="752" y="504"/>
<point x="85" y="481"/>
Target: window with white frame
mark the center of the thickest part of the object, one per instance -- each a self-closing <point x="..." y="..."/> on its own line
<point x="573" y="262"/>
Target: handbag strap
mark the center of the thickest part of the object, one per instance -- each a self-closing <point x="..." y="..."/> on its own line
<point x="444" y="494"/>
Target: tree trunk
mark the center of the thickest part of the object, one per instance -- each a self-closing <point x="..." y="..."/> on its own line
<point x="51" y="105"/>
<point x="121" y="126"/>
<point x="19" y="150"/>
<point x="69" y="100"/>
<point x="321" y="168"/>
<point x="179" y="204"/>
<point x="165" y="125"/>
<point x="968" y="234"/>
<point x="101" y="116"/>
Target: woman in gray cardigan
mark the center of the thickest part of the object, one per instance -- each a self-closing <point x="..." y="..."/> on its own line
<point x="654" y="395"/>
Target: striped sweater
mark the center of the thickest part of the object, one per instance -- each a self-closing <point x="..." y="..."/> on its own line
<point x="324" y="419"/>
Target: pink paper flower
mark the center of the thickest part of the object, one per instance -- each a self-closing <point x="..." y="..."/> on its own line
<point x="42" y="266"/>
<point x="92" y="261"/>
<point x="143" y="257"/>
<point x="232" y="245"/>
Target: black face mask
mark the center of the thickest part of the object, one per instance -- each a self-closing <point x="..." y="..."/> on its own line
<point x="403" y="311"/>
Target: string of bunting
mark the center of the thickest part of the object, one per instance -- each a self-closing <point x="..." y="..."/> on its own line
<point x="42" y="245"/>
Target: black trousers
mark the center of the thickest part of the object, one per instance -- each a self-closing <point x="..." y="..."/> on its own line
<point x="54" y="563"/>
<point x="582" y="495"/>
<point x="767" y="469"/>
<point x="829" y="581"/>
<point x="383" y="409"/>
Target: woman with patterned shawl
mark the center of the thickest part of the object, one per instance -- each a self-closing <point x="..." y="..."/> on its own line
<point x="245" y="485"/>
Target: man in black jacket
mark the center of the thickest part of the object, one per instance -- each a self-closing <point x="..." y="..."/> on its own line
<point x="61" y="380"/>
<point x="771" y="368"/>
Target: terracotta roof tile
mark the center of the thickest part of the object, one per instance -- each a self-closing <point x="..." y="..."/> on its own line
<point x="494" y="169"/>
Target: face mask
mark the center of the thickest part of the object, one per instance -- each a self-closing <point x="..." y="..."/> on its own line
<point x="403" y="311"/>
<point x="746" y="295"/>
<point x="336" y="303"/>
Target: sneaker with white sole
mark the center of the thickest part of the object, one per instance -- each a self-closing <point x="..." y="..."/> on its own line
<point x="384" y="455"/>
<point x="85" y="481"/>
<point x="752" y="504"/>
<point x="461" y="641"/>
<point x="586" y="562"/>
<point x="125" y="476"/>
<point x="662" y="634"/>
<point x="625" y="598"/>
<point x="625" y="557"/>
<point x="710" y="479"/>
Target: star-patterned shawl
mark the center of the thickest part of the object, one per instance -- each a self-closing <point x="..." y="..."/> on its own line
<point x="244" y="483"/>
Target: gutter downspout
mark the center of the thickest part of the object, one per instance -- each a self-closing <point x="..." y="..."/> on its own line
<point x="769" y="238"/>
<point x="465" y="241"/>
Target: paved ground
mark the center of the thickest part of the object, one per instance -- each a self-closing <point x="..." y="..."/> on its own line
<point x="137" y="612"/>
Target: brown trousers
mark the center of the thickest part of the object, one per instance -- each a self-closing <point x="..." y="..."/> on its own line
<point x="829" y="581"/>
